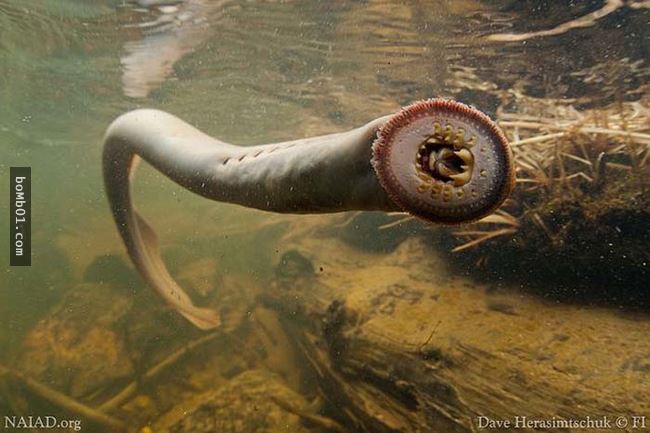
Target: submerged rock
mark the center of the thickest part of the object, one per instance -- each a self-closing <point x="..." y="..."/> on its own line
<point x="294" y="265"/>
<point x="200" y="275"/>
<point x="110" y="269"/>
<point x="74" y="349"/>
<point x="252" y="402"/>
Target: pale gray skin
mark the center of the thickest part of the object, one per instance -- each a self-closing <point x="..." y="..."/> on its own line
<point x="330" y="173"/>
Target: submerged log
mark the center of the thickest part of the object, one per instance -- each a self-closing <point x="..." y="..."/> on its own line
<point x="398" y="343"/>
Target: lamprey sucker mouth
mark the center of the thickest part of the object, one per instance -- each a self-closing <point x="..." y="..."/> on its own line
<point x="437" y="159"/>
<point x="444" y="161"/>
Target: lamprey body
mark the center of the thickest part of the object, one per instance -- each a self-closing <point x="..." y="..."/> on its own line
<point x="437" y="159"/>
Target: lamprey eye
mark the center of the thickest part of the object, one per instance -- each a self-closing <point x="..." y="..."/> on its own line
<point x="444" y="161"/>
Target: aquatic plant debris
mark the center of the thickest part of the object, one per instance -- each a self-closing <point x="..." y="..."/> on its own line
<point x="581" y="197"/>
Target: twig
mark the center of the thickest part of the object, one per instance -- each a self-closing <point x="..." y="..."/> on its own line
<point x="321" y="421"/>
<point x="395" y="223"/>
<point x="579" y="174"/>
<point x="63" y="401"/>
<point x="487" y="236"/>
<point x="131" y="388"/>
<point x="537" y="139"/>
<point x="541" y="223"/>
<point x="576" y="158"/>
<point x="347" y="219"/>
<point x="433" y="331"/>
<point x="584" y="129"/>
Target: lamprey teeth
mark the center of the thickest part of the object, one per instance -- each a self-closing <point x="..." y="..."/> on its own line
<point x="449" y="130"/>
<point x="443" y="170"/>
<point x="433" y="161"/>
<point x="444" y="153"/>
<point x="459" y="141"/>
<point x="461" y="178"/>
<point x="434" y="140"/>
<point x="465" y="155"/>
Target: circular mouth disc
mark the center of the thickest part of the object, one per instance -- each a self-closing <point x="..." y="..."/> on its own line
<point x="443" y="161"/>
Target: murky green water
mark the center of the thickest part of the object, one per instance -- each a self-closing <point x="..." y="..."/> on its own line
<point x="251" y="72"/>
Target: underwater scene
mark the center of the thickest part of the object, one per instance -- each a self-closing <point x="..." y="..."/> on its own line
<point x="347" y="216"/>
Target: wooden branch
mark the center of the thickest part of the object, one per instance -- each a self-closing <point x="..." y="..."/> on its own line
<point x="126" y="393"/>
<point x="320" y="421"/>
<point x="63" y="401"/>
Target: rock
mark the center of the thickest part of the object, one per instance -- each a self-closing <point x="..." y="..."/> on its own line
<point x="111" y="269"/>
<point x="199" y="276"/>
<point x="142" y="407"/>
<point x="252" y="402"/>
<point x="75" y="349"/>
<point x="294" y="265"/>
